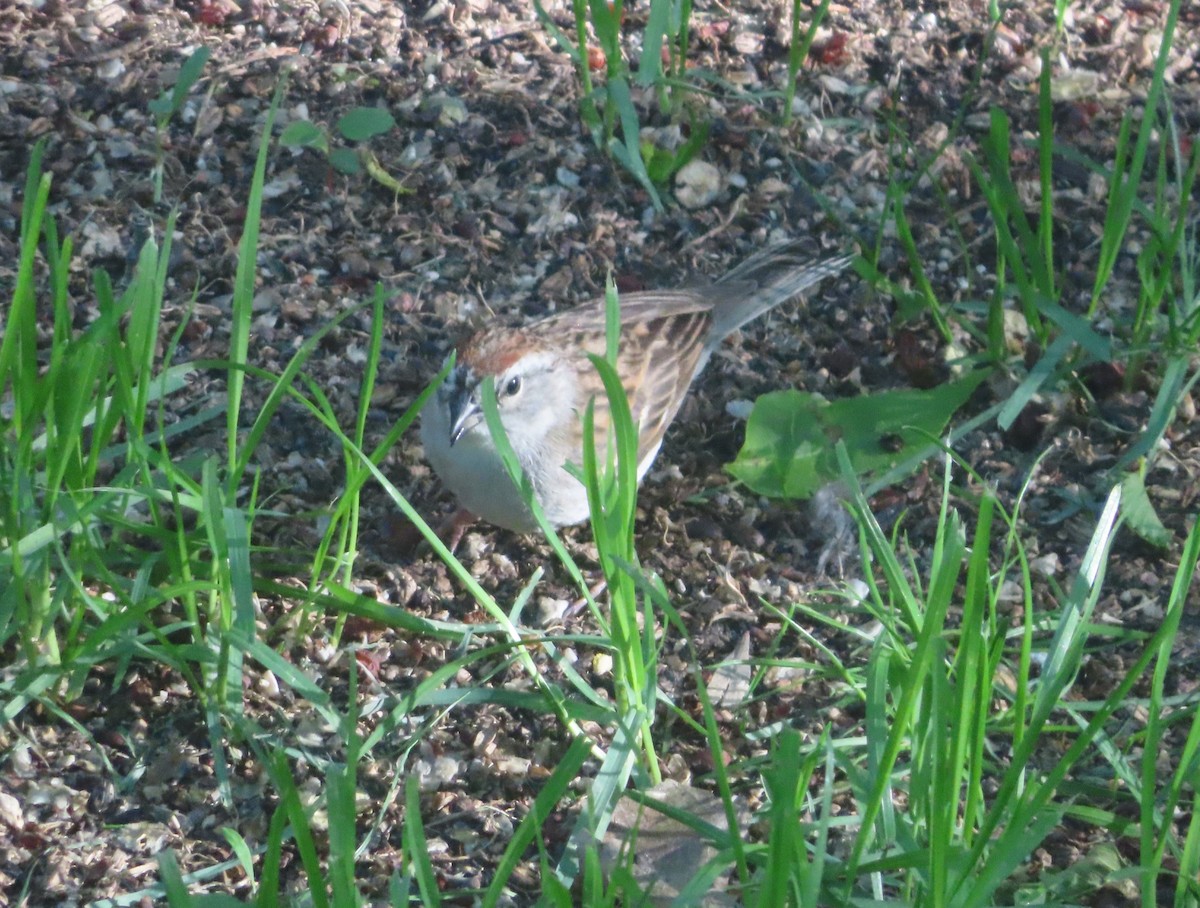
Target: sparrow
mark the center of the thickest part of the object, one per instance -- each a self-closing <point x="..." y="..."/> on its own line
<point x="544" y="381"/>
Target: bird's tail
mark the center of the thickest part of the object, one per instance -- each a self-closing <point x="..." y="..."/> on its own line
<point x="770" y="278"/>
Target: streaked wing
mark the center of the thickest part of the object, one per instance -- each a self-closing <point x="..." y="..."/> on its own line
<point x="643" y="306"/>
<point x="659" y="356"/>
<point x="668" y="363"/>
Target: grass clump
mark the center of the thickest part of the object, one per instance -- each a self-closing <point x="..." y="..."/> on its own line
<point x="623" y="65"/>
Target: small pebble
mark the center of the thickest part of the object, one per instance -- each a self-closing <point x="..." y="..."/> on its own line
<point x="697" y="184"/>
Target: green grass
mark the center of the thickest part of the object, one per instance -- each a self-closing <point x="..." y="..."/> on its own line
<point x="963" y="736"/>
<point x="616" y="98"/>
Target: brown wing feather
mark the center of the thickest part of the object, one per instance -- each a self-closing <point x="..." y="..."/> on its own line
<point x="662" y="339"/>
<point x="669" y="360"/>
<point x="644" y="306"/>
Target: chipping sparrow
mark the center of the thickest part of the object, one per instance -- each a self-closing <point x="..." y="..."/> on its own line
<point x="544" y="381"/>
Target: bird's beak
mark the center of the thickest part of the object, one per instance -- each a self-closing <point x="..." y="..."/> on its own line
<point x="463" y="412"/>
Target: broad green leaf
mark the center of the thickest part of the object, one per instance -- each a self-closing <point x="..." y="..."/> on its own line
<point x="345" y="160"/>
<point x="662" y="164"/>
<point x="1140" y="515"/>
<point x="303" y="134"/>
<point x="362" y="123"/>
<point x="790" y="437"/>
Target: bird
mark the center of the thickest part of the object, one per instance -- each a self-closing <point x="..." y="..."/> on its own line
<point x="544" y="380"/>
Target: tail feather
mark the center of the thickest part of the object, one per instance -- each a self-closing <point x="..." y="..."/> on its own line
<point x="770" y="278"/>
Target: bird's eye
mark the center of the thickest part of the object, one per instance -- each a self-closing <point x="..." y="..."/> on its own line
<point x="513" y="388"/>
